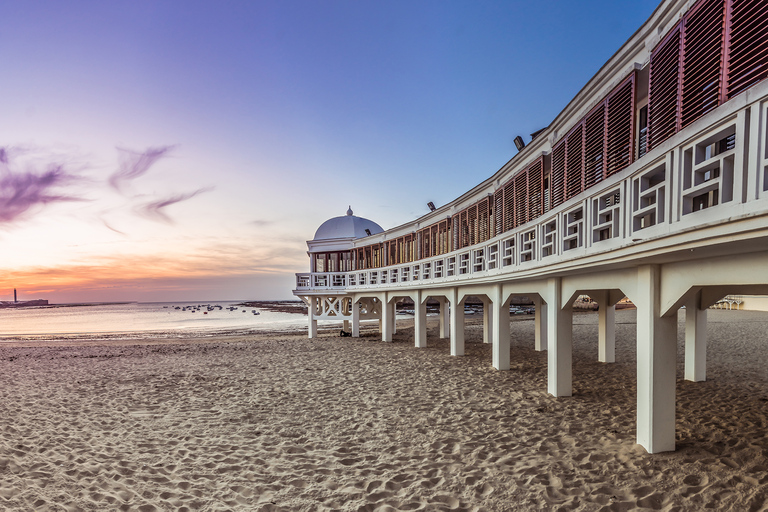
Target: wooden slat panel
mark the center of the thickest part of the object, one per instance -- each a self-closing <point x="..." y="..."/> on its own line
<point x="557" y="175"/>
<point x="472" y="225"/>
<point x="574" y="162"/>
<point x="748" y="45"/>
<point x="484" y="220"/>
<point x="620" y="129"/>
<point x="536" y="189"/>
<point x="594" y="146"/>
<point x="664" y="88"/>
<point x="498" y="212"/>
<point x="521" y="198"/>
<point x="509" y="205"/>
<point x="702" y="59"/>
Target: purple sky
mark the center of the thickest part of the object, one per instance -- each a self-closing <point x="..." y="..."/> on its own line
<point x="171" y="150"/>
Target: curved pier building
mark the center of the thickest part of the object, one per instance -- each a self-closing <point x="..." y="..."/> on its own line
<point x="652" y="183"/>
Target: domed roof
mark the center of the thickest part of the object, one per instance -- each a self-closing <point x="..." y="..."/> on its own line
<point x="347" y="226"/>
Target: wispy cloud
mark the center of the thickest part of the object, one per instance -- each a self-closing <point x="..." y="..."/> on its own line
<point x="134" y="164"/>
<point x="21" y="192"/>
<point x="155" y="209"/>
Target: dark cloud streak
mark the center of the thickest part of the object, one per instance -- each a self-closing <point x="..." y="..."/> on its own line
<point x="134" y="164"/>
<point x="19" y="192"/>
<point x="154" y="209"/>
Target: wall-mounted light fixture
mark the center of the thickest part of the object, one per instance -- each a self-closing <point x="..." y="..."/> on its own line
<point x="367" y="231"/>
<point x="519" y="144"/>
<point x="431" y="206"/>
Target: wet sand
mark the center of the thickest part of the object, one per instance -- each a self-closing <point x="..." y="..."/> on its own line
<point x="279" y="422"/>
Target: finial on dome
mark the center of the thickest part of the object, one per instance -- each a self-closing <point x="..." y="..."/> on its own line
<point x="349" y="212"/>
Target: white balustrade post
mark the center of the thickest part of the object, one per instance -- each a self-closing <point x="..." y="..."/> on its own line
<point x="540" y="324"/>
<point x="560" y="343"/>
<point x="606" y="327"/>
<point x="500" y="329"/>
<point x="457" y="324"/>
<point x="656" y="365"/>
<point x="419" y="320"/>
<point x="695" y="341"/>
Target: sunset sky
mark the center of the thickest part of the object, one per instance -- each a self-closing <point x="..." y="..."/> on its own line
<point x="186" y="150"/>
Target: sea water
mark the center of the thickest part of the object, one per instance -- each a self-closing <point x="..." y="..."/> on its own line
<point x="143" y="320"/>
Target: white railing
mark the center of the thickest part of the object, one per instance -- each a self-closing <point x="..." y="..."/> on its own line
<point x="712" y="172"/>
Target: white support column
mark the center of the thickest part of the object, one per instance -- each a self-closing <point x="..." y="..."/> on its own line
<point x="387" y="319"/>
<point x="656" y="365"/>
<point x="487" y="321"/>
<point x="444" y="318"/>
<point x="419" y="320"/>
<point x="346" y="326"/>
<point x="695" y="341"/>
<point x="311" y="308"/>
<point x="355" y="319"/>
<point x="559" y="330"/>
<point x="606" y="327"/>
<point x="540" y="322"/>
<point x="457" y="324"/>
<point x="500" y="329"/>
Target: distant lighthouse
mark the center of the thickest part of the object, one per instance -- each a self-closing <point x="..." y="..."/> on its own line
<point x="14" y="296"/>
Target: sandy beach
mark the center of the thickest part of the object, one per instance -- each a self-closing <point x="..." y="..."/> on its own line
<point x="279" y="422"/>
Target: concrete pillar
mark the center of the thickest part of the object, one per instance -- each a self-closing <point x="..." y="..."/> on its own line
<point x="355" y="319"/>
<point x="457" y="324"/>
<point x="656" y="365"/>
<point x="695" y="340"/>
<point x="387" y="320"/>
<point x="487" y="321"/>
<point x="606" y="327"/>
<point x="559" y="343"/>
<point x="540" y="322"/>
<point x="444" y="318"/>
<point x="311" y="309"/>
<point x="500" y="323"/>
<point x="420" y="320"/>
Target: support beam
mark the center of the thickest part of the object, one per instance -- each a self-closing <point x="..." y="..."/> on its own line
<point x="419" y="320"/>
<point x="387" y="320"/>
<point x="540" y="322"/>
<point x="606" y="325"/>
<point x="559" y="330"/>
<point x="444" y="318"/>
<point x="487" y="321"/>
<point x="355" y="319"/>
<point x="500" y="325"/>
<point x="656" y="365"/>
<point x="695" y="340"/>
<point x="457" y="324"/>
<point x="311" y="309"/>
<point x="347" y="326"/>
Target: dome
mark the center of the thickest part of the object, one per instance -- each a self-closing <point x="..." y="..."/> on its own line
<point x="347" y="226"/>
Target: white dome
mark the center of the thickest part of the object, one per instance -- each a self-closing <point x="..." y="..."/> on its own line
<point x="347" y="226"/>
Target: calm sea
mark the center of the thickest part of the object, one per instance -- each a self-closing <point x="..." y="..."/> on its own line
<point x="143" y="320"/>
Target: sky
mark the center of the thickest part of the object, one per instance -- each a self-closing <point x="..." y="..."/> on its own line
<point x="186" y="150"/>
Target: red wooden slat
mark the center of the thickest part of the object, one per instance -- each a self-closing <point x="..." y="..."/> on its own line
<point x="748" y="48"/>
<point x="664" y="88"/>
<point x="536" y="189"/>
<point x="574" y="162"/>
<point x="557" y="175"/>
<point x="620" y="129"/>
<point x="702" y="59"/>
<point x="509" y="205"/>
<point x="521" y="198"/>
<point x="594" y="146"/>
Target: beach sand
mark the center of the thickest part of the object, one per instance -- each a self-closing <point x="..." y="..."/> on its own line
<point x="279" y="422"/>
